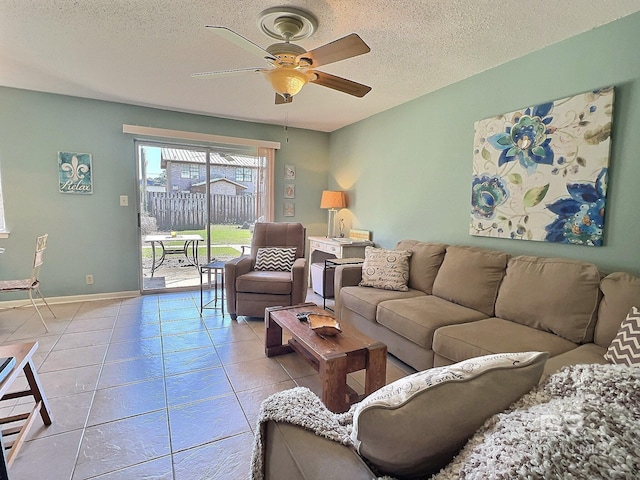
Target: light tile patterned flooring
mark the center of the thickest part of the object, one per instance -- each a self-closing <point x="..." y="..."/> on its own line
<point x="146" y="388"/>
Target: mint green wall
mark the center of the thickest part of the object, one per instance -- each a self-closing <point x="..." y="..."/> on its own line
<point x="408" y="170"/>
<point x="92" y="233"/>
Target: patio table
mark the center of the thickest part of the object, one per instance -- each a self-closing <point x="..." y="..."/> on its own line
<point x="189" y="248"/>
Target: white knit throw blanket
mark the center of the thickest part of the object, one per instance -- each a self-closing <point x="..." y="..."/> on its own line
<point x="582" y="423"/>
<point x="299" y="406"/>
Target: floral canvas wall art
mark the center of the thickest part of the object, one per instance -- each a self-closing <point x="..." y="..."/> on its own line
<point x="540" y="173"/>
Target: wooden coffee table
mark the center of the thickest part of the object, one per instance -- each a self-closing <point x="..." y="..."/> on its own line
<point x="333" y="357"/>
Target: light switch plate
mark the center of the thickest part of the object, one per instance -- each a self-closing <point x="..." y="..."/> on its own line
<point x="124" y="201"/>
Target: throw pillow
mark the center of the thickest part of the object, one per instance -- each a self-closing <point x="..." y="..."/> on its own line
<point x="386" y="269"/>
<point x="275" y="259"/>
<point x="625" y="347"/>
<point x="416" y="425"/>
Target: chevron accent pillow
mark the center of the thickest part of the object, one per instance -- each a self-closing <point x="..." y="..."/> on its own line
<point x="275" y="259"/>
<point x="625" y="347"/>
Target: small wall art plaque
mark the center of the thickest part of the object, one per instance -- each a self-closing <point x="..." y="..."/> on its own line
<point x="289" y="209"/>
<point x="75" y="173"/>
<point x="289" y="172"/>
<point x="289" y="190"/>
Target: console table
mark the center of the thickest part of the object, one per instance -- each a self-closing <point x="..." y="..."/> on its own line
<point x="322" y="249"/>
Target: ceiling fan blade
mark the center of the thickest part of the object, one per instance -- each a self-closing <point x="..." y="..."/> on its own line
<point x="341" y="49"/>
<point x="339" y="83"/>
<point x="221" y="73"/>
<point x="280" y="100"/>
<point x="242" y="42"/>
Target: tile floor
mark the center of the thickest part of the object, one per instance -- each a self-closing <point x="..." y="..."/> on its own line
<point x="146" y="388"/>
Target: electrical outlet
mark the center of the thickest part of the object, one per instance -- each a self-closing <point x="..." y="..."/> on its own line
<point x="89" y="279"/>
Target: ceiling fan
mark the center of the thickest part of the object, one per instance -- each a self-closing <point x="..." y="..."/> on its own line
<point x="291" y="67"/>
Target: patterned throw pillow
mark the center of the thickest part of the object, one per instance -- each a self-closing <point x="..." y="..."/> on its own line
<point x="414" y="426"/>
<point x="275" y="259"/>
<point x="625" y="347"/>
<point x="386" y="269"/>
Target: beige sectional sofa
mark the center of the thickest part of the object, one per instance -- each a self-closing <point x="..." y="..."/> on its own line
<point x="464" y="302"/>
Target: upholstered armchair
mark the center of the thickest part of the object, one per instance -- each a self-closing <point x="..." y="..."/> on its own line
<point x="274" y="274"/>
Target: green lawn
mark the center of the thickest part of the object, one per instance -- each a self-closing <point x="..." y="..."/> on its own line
<point x="220" y="235"/>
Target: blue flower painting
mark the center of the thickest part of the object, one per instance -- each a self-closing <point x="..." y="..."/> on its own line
<point x="540" y="173"/>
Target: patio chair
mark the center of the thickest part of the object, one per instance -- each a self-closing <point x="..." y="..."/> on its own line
<point x="33" y="283"/>
<point x="251" y="285"/>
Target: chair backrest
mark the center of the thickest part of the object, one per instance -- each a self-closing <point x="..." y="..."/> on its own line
<point x="278" y="235"/>
<point x="38" y="258"/>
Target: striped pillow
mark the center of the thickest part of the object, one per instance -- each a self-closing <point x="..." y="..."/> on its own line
<point x="625" y="348"/>
<point x="275" y="259"/>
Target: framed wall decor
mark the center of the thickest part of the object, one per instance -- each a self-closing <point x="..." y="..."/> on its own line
<point x="75" y="173"/>
<point x="289" y="209"/>
<point x="289" y="172"/>
<point x="540" y="173"/>
<point x="289" y="190"/>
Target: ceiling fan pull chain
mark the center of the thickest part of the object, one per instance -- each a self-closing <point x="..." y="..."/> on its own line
<point x="286" y="122"/>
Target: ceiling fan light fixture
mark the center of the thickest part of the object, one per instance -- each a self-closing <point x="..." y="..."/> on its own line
<point x="287" y="81"/>
<point x="290" y="64"/>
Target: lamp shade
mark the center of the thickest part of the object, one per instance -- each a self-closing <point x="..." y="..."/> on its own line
<point x="333" y="199"/>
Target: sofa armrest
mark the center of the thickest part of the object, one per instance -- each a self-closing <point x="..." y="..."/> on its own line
<point x="300" y="279"/>
<point x="293" y="452"/>
<point x="232" y="270"/>
<point x="345" y="276"/>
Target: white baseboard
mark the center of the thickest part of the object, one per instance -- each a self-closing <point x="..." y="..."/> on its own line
<point x="72" y="299"/>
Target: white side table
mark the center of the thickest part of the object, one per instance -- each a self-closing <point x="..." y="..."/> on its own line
<point x="323" y="249"/>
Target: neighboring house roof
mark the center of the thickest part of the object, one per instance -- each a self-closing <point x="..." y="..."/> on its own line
<point x="191" y="156"/>
<point x="215" y="180"/>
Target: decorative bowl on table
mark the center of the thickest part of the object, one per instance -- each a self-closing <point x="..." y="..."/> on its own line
<point x="324" y="325"/>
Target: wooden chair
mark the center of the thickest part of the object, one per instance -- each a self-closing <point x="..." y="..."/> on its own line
<point x="32" y="283"/>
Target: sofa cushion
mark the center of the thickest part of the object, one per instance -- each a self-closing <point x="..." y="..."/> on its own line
<point x="625" y="348"/>
<point x="364" y="301"/>
<point x="275" y="259"/>
<point x="417" y="318"/>
<point x="424" y="263"/>
<point x="587" y="353"/>
<point x="414" y="426"/>
<point x="264" y="282"/>
<point x="551" y="294"/>
<point x="494" y="335"/>
<point x="620" y="292"/>
<point x="471" y="276"/>
<point x="386" y="269"/>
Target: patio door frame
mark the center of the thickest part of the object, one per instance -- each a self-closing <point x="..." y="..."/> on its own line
<point x="141" y="183"/>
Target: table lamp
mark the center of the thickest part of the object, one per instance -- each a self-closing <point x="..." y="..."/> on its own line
<point x="332" y="200"/>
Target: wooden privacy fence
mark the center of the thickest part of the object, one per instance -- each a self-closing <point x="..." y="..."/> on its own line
<point x="187" y="211"/>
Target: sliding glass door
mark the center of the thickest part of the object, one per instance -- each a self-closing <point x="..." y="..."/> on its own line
<point x="197" y="204"/>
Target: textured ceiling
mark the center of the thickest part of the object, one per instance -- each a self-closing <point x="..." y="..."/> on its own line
<point x="142" y="52"/>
